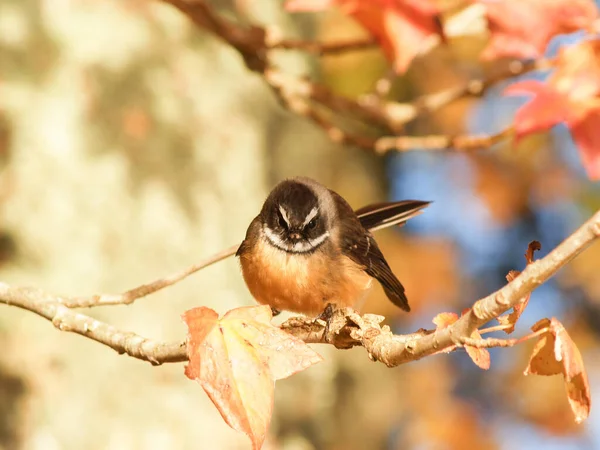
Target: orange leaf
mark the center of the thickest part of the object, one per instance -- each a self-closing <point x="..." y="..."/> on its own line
<point x="556" y="353"/>
<point x="400" y="26"/>
<point x="480" y="356"/>
<point x="572" y="96"/>
<point x="523" y="28"/>
<point x="445" y="319"/>
<point x="236" y="360"/>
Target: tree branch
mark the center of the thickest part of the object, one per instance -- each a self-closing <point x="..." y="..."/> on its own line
<point x="460" y="143"/>
<point x="50" y="307"/>
<point x="346" y="327"/>
<point x="386" y="119"/>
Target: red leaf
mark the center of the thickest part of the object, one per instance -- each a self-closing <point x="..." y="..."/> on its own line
<point x="400" y="26"/>
<point x="586" y="134"/>
<point x="556" y="353"/>
<point x="523" y="28"/>
<point x="572" y="95"/>
<point x="546" y="109"/>
<point x="236" y="360"/>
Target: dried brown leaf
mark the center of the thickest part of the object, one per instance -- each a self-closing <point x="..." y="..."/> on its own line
<point x="531" y="249"/>
<point x="480" y="356"/>
<point x="556" y="353"/>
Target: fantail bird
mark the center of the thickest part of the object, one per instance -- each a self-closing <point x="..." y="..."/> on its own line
<point x="307" y="248"/>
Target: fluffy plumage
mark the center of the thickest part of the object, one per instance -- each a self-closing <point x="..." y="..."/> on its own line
<point x="308" y="248"/>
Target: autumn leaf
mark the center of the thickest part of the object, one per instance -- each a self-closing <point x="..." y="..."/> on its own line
<point x="556" y="353"/>
<point x="523" y="28"/>
<point x="236" y="360"/>
<point x="510" y="320"/>
<point x="445" y="319"/>
<point x="548" y="108"/>
<point x="572" y="96"/>
<point x="586" y="134"/>
<point x="400" y="26"/>
<point x="480" y="356"/>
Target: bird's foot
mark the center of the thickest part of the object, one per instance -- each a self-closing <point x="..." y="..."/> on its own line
<point x="335" y="321"/>
<point x="327" y="313"/>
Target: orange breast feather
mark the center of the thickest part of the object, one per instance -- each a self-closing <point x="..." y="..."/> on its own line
<point x="303" y="283"/>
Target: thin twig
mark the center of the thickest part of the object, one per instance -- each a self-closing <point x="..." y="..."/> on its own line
<point x="322" y="48"/>
<point x="494" y="329"/>
<point x="499" y="342"/>
<point x="289" y="86"/>
<point x="476" y="87"/>
<point x="462" y="143"/>
<point x="131" y="295"/>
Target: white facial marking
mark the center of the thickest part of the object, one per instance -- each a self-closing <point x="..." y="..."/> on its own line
<point x="284" y="215"/>
<point x="297" y="247"/>
<point x="310" y="216"/>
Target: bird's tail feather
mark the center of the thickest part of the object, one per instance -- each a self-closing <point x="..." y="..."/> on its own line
<point x="382" y="215"/>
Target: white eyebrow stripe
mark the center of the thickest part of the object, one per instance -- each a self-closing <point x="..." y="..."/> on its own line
<point x="284" y="215"/>
<point x="311" y="215"/>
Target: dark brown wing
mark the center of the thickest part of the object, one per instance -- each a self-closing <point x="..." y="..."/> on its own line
<point x="382" y="215"/>
<point x="363" y="250"/>
<point x="360" y="246"/>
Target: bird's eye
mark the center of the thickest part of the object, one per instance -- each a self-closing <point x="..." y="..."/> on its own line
<point x="281" y="220"/>
<point x="310" y="225"/>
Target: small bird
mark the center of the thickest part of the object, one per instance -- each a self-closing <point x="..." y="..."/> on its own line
<point x="307" y="249"/>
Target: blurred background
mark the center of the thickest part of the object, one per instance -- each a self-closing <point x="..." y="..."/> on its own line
<point x="133" y="145"/>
